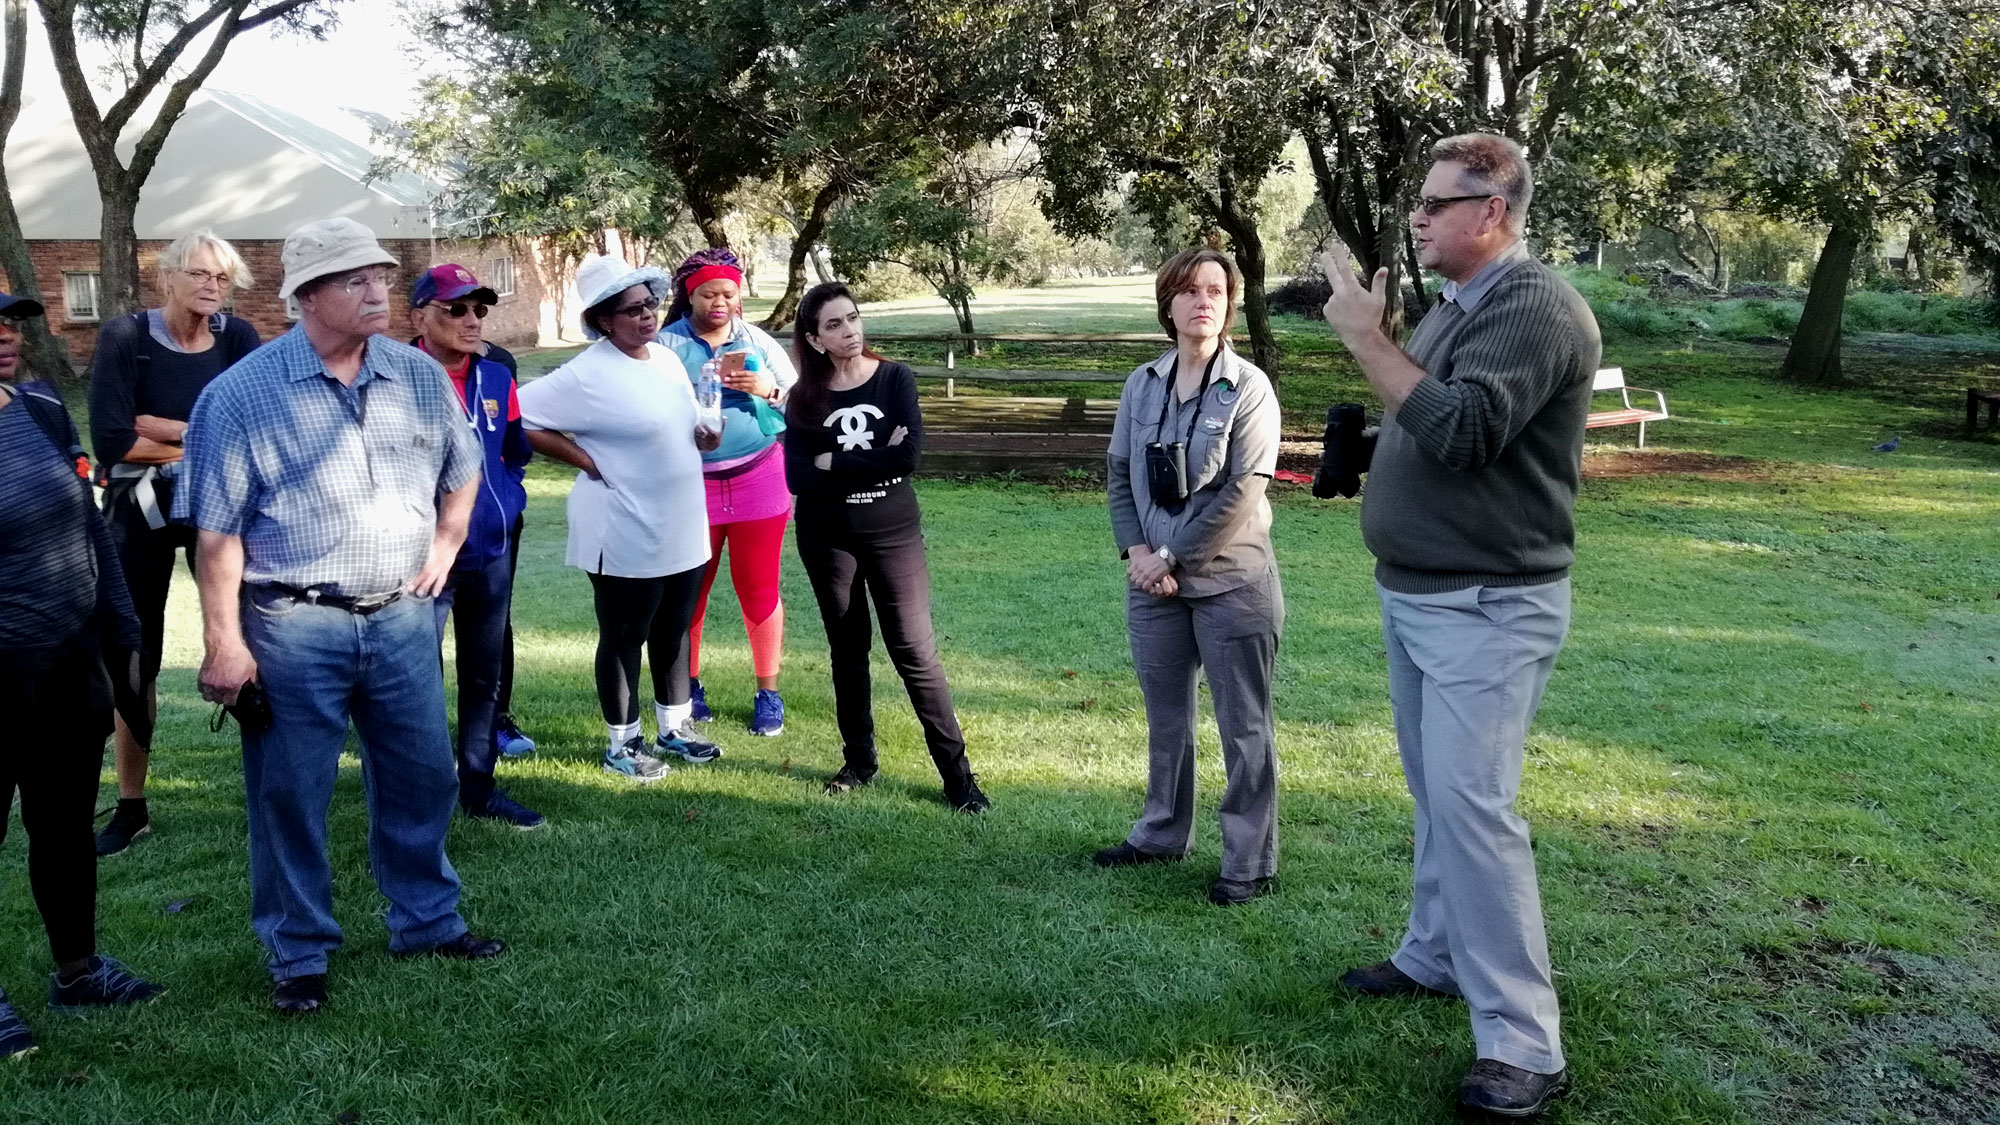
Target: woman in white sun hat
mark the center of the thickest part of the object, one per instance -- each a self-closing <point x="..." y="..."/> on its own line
<point x="623" y="412"/>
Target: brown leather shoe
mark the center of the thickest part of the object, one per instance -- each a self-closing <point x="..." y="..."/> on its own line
<point x="1496" y="1089"/>
<point x="1123" y="854"/>
<point x="467" y="946"/>
<point x="1383" y="978"/>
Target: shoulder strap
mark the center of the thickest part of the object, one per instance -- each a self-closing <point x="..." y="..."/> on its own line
<point x="53" y="417"/>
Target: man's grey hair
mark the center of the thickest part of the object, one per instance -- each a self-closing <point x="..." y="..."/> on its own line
<point x="1494" y="165"/>
<point x="182" y="250"/>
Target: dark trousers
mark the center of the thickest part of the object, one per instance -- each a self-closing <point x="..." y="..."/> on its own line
<point x="505" y="706"/>
<point x="653" y="612"/>
<point x="855" y="552"/>
<point x="478" y="601"/>
<point x="147" y="556"/>
<point x="53" y="755"/>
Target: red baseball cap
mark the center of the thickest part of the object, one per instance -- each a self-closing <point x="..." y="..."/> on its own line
<point x="449" y="282"/>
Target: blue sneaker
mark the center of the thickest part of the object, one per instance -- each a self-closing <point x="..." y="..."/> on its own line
<point x="508" y="737"/>
<point x="15" y="1038"/>
<point x="108" y="984"/>
<point x="684" y="745"/>
<point x="701" y="713"/>
<point x="767" y="714"/>
<point x="631" y="760"/>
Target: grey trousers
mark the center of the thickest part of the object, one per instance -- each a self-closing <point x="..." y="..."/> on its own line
<point x="1233" y="637"/>
<point x="1466" y="673"/>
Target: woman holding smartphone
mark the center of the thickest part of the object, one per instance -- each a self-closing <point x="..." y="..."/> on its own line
<point x="624" y="413"/>
<point x="744" y="477"/>
<point x="854" y="437"/>
<point x="1192" y="450"/>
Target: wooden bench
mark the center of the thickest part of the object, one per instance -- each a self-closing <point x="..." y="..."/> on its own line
<point x="1613" y="379"/>
<point x="1976" y="398"/>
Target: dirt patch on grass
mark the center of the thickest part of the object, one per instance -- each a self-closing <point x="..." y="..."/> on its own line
<point x="1663" y="462"/>
<point x="1921" y="1043"/>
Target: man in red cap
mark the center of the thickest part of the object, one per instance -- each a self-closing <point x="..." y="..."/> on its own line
<point x="448" y="306"/>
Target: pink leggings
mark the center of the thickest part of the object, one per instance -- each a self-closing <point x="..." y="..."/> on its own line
<point x="756" y="547"/>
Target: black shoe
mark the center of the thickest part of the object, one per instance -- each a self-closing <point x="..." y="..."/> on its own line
<point x="1495" y="1088"/>
<point x="499" y="806"/>
<point x="127" y="824"/>
<point x="849" y="778"/>
<point x="1383" y="978"/>
<point x="1236" y="892"/>
<point x="467" y="946"/>
<point x="299" y="995"/>
<point x="1125" y="855"/>
<point x="16" y="1041"/>
<point x="965" y="797"/>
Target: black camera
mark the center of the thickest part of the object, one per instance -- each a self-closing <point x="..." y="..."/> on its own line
<point x="252" y="710"/>
<point x="1346" y="449"/>
<point x="1167" y="474"/>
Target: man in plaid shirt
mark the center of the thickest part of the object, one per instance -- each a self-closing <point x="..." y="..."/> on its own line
<point x="330" y="476"/>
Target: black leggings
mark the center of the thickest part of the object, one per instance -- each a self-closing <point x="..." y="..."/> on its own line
<point x="504" y="709"/>
<point x="654" y="612"/>
<point x="855" y="552"/>
<point x="53" y="754"/>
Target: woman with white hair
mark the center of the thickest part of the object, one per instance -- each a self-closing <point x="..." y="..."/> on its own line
<point x="623" y="412"/>
<point x="148" y="370"/>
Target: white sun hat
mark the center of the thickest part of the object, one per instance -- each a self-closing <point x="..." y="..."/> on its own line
<point x="603" y="276"/>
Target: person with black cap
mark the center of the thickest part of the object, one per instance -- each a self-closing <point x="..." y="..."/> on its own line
<point x="448" y="306"/>
<point x="67" y="631"/>
<point x="148" y="369"/>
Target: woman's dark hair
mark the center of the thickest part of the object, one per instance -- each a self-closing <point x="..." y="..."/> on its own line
<point x="807" y="401"/>
<point x="593" y="316"/>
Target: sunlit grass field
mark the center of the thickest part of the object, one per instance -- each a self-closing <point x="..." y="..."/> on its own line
<point x="1764" y="789"/>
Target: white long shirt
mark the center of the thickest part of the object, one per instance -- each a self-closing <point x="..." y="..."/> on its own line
<point x="647" y="516"/>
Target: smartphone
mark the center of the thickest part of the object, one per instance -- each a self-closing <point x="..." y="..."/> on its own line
<point x="732" y="362"/>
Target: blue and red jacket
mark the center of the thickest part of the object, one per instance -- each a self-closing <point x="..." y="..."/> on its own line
<point x="493" y="410"/>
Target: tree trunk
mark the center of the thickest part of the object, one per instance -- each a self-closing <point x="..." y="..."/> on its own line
<point x="822" y="268"/>
<point x="118" y="255"/>
<point x="708" y="216"/>
<point x="1916" y="259"/>
<point x="803" y="247"/>
<point x="1814" y="356"/>
<point x="46" y="355"/>
<point x="1240" y="223"/>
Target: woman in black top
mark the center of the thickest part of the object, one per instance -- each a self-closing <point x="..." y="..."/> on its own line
<point x="851" y="443"/>
<point x="148" y="370"/>
<point x="62" y="607"/>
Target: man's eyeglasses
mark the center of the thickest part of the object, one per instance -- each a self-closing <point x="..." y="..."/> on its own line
<point x="644" y="308"/>
<point x="1434" y="205"/>
<point x="356" y="283"/>
<point x="457" y="309"/>
<point x="203" y="278"/>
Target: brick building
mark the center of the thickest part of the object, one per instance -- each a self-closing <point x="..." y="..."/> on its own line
<point x="253" y="173"/>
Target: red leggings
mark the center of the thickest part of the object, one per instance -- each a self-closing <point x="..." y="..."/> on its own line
<point x="756" y="547"/>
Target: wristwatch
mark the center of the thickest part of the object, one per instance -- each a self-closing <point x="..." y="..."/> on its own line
<point x="1167" y="556"/>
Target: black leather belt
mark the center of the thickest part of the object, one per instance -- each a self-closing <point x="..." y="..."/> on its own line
<point x="359" y="606"/>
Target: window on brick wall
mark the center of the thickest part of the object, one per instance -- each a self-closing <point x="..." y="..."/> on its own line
<point x="80" y="296"/>
<point x="291" y="308"/>
<point x="501" y="276"/>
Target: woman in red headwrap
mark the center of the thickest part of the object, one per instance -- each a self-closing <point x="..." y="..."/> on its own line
<point x="748" y="503"/>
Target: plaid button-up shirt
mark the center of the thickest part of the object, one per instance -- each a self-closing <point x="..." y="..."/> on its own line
<point x="329" y="485"/>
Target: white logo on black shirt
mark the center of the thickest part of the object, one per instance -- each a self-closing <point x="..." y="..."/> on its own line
<point x="854" y="431"/>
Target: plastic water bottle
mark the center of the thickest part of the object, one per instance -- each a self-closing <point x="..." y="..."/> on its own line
<point x="708" y="395"/>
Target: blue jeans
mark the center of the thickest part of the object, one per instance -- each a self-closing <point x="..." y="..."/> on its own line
<point x="320" y="667"/>
<point x="477" y="601"/>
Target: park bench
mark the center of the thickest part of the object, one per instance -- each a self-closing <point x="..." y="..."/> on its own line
<point x="1976" y="398"/>
<point x="1613" y="379"/>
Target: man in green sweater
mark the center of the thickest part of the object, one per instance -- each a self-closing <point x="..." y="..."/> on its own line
<point x="1468" y="512"/>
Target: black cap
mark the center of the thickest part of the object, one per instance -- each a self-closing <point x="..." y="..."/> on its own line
<point x="17" y="308"/>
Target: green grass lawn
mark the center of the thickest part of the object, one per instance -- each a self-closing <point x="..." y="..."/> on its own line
<point x="1764" y="789"/>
